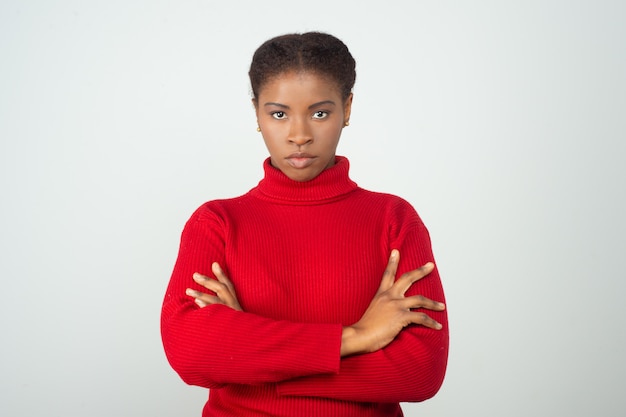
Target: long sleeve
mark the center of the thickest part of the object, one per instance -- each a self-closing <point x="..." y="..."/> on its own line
<point x="216" y="345"/>
<point x="305" y="260"/>
<point x="413" y="366"/>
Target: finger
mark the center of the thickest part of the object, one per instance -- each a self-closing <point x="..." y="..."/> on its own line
<point x="223" y="287"/>
<point x="425" y="320"/>
<point x="221" y="276"/>
<point x="220" y="289"/>
<point x="203" y="280"/>
<point x="389" y="276"/>
<point x="419" y="301"/>
<point x="223" y="279"/>
<point x="409" y="278"/>
<point x="202" y="299"/>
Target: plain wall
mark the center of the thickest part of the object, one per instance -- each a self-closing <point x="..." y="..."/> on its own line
<point x="502" y="122"/>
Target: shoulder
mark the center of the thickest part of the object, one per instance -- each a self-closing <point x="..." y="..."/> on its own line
<point x="217" y="211"/>
<point x="397" y="213"/>
<point x="392" y="204"/>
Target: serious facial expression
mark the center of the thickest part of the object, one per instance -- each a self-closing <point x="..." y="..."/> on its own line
<point x="301" y="116"/>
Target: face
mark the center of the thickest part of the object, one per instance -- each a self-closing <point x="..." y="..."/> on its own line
<point x="301" y="116"/>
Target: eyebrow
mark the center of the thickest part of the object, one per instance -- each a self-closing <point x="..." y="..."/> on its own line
<point x="284" y="106"/>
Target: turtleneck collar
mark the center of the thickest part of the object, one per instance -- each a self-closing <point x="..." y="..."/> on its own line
<point x="331" y="184"/>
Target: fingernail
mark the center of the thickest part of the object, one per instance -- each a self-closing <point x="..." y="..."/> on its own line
<point x="394" y="254"/>
<point x="438" y="326"/>
<point x="428" y="265"/>
<point x="189" y="292"/>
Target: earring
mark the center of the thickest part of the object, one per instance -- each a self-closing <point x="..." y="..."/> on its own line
<point x="258" y="128"/>
<point x="347" y="123"/>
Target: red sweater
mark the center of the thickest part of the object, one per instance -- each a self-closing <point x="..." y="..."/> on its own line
<point x="306" y="258"/>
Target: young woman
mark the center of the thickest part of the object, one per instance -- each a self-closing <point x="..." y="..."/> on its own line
<point x="307" y="296"/>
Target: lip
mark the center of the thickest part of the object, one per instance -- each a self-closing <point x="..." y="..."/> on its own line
<point x="300" y="160"/>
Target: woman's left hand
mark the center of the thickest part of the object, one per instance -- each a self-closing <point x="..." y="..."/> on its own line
<point x="222" y="287"/>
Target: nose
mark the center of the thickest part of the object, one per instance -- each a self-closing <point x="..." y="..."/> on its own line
<point x="300" y="133"/>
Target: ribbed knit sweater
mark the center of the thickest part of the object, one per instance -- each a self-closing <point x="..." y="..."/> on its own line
<point x="306" y="259"/>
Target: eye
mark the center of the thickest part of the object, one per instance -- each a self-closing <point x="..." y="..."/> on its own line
<point x="320" y="114"/>
<point x="279" y="115"/>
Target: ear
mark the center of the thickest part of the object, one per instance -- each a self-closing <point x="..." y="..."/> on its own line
<point x="347" y="109"/>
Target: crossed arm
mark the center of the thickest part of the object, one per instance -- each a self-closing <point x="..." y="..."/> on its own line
<point x="389" y="312"/>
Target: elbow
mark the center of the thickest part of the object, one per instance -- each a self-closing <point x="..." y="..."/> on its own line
<point x="184" y="357"/>
<point x="186" y="366"/>
<point x="429" y="391"/>
<point x="191" y="377"/>
<point x="428" y="387"/>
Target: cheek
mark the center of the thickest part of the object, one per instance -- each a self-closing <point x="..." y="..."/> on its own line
<point x="273" y="137"/>
<point x="272" y="131"/>
<point x="330" y="130"/>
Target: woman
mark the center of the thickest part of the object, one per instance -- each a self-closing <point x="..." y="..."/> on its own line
<point x="293" y="300"/>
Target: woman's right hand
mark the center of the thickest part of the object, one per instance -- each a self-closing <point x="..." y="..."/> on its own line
<point x="390" y="311"/>
<point x="222" y="287"/>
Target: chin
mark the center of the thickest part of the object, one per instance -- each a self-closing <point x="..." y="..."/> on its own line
<point x="302" y="176"/>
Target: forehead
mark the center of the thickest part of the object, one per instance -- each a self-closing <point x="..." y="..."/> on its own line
<point x="301" y="85"/>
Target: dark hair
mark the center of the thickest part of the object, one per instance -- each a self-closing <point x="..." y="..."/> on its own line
<point x="316" y="52"/>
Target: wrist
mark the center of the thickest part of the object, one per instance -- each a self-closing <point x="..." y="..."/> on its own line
<point x="350" y="342"/>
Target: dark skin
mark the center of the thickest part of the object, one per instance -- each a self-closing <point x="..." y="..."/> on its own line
<point x="388" y="313"/>
<point x="305" y="112"/>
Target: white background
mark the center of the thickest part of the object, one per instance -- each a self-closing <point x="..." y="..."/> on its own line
<point x="502" y="122"/>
